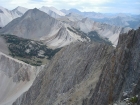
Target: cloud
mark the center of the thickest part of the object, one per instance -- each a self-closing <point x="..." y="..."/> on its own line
<point x="108" y="6"/>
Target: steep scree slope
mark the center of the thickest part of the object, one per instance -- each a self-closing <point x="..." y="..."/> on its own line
<point x="15" y="78"/>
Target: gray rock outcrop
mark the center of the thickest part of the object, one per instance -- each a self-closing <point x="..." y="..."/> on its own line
<point x="70" y="76"/>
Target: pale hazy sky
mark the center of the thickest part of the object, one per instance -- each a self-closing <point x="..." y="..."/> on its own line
<point x="104" y="6"/>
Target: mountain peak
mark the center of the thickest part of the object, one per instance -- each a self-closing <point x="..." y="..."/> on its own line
<point x="35" y="10"/>
<point x="19" y="8"/>
<point x="52" y="11"/>
<point x="44" y="7"/>
<point x="73" y="9"/>
<point x="2" y="7"/>
<point x="35" y="24"/>
<point x="19" y="11"/>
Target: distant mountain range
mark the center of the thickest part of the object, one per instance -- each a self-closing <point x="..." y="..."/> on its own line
<point x="105" y="30"/>
<point x="56" y="29"/>
<point x="118" y="19"/>
<point x="38" y="25"/>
